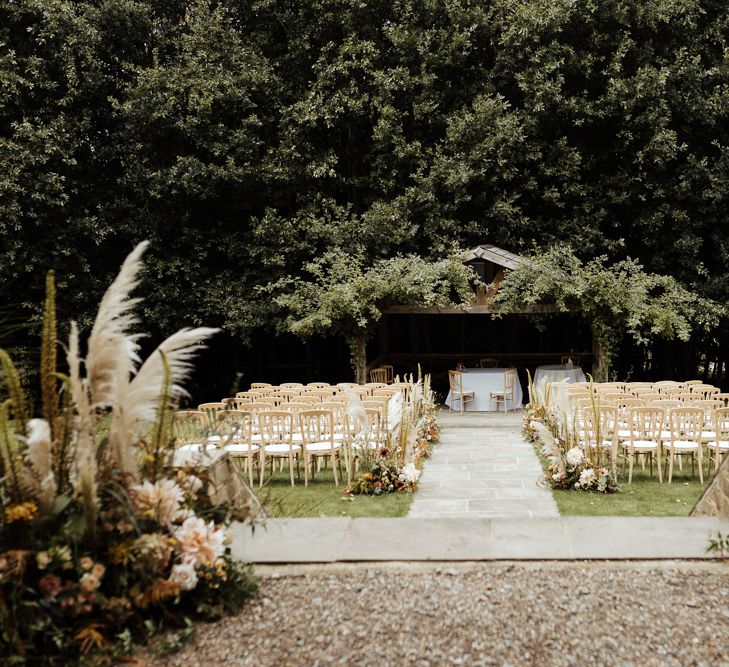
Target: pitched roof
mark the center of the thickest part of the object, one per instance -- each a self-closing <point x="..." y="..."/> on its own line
<point x="492" y="253"/>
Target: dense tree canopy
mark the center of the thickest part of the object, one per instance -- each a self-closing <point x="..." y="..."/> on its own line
<point x="248" y="138"/>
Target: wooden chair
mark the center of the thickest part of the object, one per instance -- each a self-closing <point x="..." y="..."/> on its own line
<point x="602" y="433"/>
<point x="238" y="427"/>
<point x="723" y="397"/>
<point x="318" y="439"/>
<point x="705" y="391"/>
<point x="318" y="385"/>
<point x="211" y="410"/>
<point x="277" y="441"/>
<point x="645" y="429"/>
<point x="488" y="362"/>
<point x="190" y="429"/>
<point x="390" y="373"/>
<point x="508" y="393"/>
<point x="378" y="375"/>
<point x="720" y="445"/>
<point x="686" y="426"/>
<point x="237" y="403"/>
<point x="261" y="385"/>
<point x="690" y="382"/>
<point x="455" y="379"/>
<point x="290" y="385"/>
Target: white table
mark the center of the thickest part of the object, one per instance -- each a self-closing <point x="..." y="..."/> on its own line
<point x="557" y="373"/>
<point x="482" y="381"/>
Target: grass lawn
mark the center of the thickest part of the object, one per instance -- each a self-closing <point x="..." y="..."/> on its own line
<point x="323" y="498"/>
<point x="644" y="497"/>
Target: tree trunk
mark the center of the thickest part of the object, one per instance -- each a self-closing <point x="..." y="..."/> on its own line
<point x="600" y="368"/>
<point x="358" y="350"/>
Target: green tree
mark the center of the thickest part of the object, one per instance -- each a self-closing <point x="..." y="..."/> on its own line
<point x="616" y="299"/>
<point x="344" y="296"/>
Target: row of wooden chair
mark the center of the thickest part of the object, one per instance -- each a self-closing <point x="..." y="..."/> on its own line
<point x="265" y="435"/>
<point x="651" y="431"/>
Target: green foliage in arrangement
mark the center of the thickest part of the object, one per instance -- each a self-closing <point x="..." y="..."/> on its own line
<point x="344" y="296"/>
<point x="248" y="138"/>
<point x="102" y="541"/>
<point x="616" y="298"/>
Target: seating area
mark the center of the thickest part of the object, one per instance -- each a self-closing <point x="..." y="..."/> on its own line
<point x="484" y="389"/>
<point x="293" y="424"/>
<point x="646" y="423"/>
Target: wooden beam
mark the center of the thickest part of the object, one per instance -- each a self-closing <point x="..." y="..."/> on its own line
<point x="471" y="310"/>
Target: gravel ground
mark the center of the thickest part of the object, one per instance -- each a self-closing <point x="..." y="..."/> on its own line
<point x="477" y="614"/>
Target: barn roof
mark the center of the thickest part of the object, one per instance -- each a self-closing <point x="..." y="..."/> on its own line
<point x="492" y="253"/>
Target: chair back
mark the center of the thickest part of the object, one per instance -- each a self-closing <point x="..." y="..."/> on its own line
<point x="378" y="375"/>
<point x="261" y="385"/>
<point x="318" y="385"/>
<point x="686" y="423"/>
<point x="455" y="380"/>
<point x="488" y="362"/>
<point x="189" y="426"/>
<point x="237" y="403"/>
<point x="276" y="426"/>
<point x="211" y="410"/>
<point x="705" y="391"/>
<point x="235" y="425"/>
<point x="390" y="373"/>
<point x="290" y="385"/>
<point x="317" y="426"/>
<point x="721" y="424"/>
<point x="646" y="423"/>
<point x="690" y="382"/>
<point x="602" y="426"/>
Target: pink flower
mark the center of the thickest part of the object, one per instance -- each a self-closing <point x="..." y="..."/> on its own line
<point x="86" y="563"/>
<point x="98" y="570"/>
<point x="161" y="501"/>
<point x="50" y="586"/>
<point x="185" y="575"/>
<point x="198" y="542"/>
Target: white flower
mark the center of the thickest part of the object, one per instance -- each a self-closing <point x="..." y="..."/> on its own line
<point x="587" y="477"/>
<point x="43" y="559"/>
<point x="198" y="542"/>
<point x="89" y="582"/>
<point x="409" y="474"/>
<point x="184" y="574"/>
<point x="558" y="476"/>
<point x="162" y="500"/>
<point x="574" y="457"/>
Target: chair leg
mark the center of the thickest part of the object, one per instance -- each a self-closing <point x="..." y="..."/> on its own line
<point x="291" y="468"/>
<point x="658" y="461"/>
<point x="630" y="467"/>
<point x="671" y="456"/>
<point x="334" y="468"/>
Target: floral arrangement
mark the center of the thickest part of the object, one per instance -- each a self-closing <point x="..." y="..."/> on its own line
<point x="103" y="543"/>
<point x="569" y="468"/>
<point x="398" y="469"/>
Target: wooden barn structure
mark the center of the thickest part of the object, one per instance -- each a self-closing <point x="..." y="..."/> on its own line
<point x="440" y="338"/>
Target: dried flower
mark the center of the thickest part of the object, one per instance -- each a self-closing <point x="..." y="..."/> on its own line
<point x="161" y="500"/>
<point x="198" y="542"/>
<point x="587" y="477"/>
<point x="21" y="512"/>
<point x="574" y="457"/>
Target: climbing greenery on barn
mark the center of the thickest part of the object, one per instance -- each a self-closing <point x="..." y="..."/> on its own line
<point x="615" y="298"/>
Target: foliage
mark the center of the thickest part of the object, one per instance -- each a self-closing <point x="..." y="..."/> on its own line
<point x="346" y="297"/>
<point x="719" y="544"/>
<point x="616" y="298"/>
<point x="101" y="541"/>
<point x="248" y="138"/>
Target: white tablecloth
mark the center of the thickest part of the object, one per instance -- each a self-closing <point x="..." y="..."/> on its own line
<point x="557" y="373"/>
<point x="482" y="381"/>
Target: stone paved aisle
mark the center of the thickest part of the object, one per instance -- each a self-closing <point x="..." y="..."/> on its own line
<point x="482" y="468"/>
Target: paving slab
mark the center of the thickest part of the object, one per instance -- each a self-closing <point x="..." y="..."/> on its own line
<point x="479" y="455"/>
<point x="479" y="536"/>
